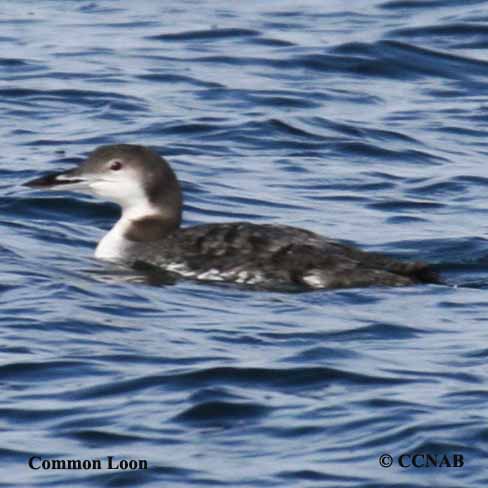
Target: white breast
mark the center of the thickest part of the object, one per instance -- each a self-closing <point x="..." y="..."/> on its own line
<point x="114" y="246"/>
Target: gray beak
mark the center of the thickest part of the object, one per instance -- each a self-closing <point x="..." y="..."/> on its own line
<point x="68" y="179"/>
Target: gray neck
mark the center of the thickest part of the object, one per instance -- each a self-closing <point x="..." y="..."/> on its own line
<point x="150" y="228"/>
<point x="161" y="213"/>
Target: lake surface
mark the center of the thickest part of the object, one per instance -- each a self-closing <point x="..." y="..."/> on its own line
<point x="364" y="121"/>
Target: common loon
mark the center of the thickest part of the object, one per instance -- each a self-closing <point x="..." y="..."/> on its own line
<point x="267" y="256"/>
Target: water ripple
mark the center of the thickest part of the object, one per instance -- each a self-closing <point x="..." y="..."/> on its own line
<point x="365" y="122"/>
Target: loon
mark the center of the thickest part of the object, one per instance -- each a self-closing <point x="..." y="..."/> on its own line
<point x="267" y="256"/>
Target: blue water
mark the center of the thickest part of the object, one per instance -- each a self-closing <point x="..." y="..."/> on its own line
<point x="361" y="120"/>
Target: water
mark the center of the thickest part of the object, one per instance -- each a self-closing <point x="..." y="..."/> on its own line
<point x="360" y="120"/>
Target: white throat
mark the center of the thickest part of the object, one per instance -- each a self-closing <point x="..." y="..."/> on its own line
<point x="114" y="246"/>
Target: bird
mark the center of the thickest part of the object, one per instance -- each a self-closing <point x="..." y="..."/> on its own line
<point x="264" y="256"/>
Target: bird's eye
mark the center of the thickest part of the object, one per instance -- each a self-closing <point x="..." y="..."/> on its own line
<point x="116" y="165"/>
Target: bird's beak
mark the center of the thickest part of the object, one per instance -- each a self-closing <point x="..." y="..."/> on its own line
<point x="69" y="180"/>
